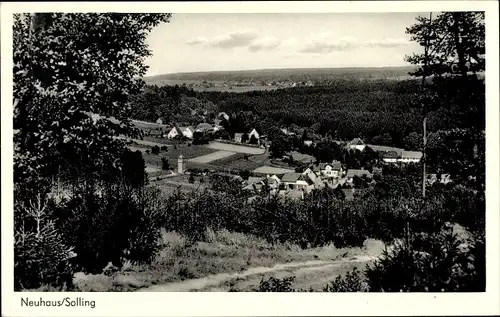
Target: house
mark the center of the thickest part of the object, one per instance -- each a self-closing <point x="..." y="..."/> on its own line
<point x="159" y="121"/>
<point x="257" y="184"/>
<point x="377" y="171"/>
<point x="222" y="115"/>
<point x="204" y="128"/>
<point x="329" y="170"/>
<point x="356" y="144"/>
<point x="359" y="173"/>
<point x="384" y="149"/>
<point x="297" y="181"/>
<point x="174" y="132"/>
<point x="410" y="157"/>
<point x="217" y="121"/>
<point x="390" y="157"/>
<point x="308" y="142"/>
<point x="188" y="132"/>
<point x="238" y="137"/>
<point x="218" y="127"/>
<point x="287" y="132"/>
<point x="253" y="133"/>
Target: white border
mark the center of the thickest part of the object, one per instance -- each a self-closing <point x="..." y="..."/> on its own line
<point x="261" y="304"/>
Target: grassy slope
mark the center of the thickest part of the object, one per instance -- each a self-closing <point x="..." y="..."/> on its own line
<point x="225" y="252"/>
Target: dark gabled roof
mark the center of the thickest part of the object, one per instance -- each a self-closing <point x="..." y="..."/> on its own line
<point x="391" y="154"/>
<point x="291" y="177"/>
<point x="359" y="173"/>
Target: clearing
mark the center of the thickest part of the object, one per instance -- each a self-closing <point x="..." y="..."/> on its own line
<point x="272" y="170"/>
<point x="212" y="157"/>
<point x="235" y="148"/>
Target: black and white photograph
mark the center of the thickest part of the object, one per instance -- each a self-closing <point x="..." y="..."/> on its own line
<point x="249" y="152"/>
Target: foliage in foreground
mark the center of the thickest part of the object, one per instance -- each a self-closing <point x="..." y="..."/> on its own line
<point x="426" y="263"/>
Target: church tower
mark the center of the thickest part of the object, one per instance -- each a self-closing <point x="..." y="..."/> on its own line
<point x="180" y="164"/>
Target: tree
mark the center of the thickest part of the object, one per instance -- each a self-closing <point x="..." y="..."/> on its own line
<point x="253" y="140"/>
<point x="384" y="139"/>
<point x="155" y="150"/>
<point x="244" y="138"/>
<point x="279" y="145"/>
<point x="455" y="43"/>
<point x="73" y="76"/>
<point x="67" y="65"/>
<point x="245" y="174"/>
<point x="454" y="47"/>
<point x="165" y="165"/>
<point x="413" y="141"/>
<point x="191" y="178"/>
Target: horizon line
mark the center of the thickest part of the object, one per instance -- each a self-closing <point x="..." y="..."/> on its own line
<point x="280" y="68"/>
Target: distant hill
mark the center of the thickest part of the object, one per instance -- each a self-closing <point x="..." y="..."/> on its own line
<point x="288" y="75"/>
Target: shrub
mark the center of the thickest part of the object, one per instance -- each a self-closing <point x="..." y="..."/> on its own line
<point x="351" y="282"/>
<point x="274" y="284"/>
<point x="155" y="150"/>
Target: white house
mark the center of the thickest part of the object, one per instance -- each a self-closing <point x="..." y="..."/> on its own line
<point x="181" y="131"/>
<point x="223" y="115"/>
<point x="410" y="157"/>
<point x="330" y="170"/>
<point x="253" y="133"/>
<point x="188" y="132"/>
<point x="175" y="131"/>
<point x="308" y="142"/>
<point x="159" y="121"/>
<point x="297" y="181"/>
<point x="238" y="137"/>
<point x="390" y="157"/>
<point x="356" y="144"/>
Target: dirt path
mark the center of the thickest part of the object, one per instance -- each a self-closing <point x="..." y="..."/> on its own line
<point x="308" y="274"/>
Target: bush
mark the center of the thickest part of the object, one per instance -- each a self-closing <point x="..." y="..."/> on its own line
<point x="155" y="150"/>
<point x="351" y="282"/>
<point x="274" y="284"/>
<point x="165" y="165"/>
<point x="429" y="263"/>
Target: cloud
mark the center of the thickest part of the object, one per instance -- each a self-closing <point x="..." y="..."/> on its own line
<point x="264" y="43"/>
<point x="323" y="43"/>
<point x="230" y="40"/>
<point x="197" y="41"/>
<point x="388" y="42"/>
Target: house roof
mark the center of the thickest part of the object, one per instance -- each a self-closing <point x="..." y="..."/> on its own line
<point x="204" y="126"/>
<point x="334" y="165"/>
<point x="391" y="154"/>
<point x="359" y="173"/>
<point x="382" y="148"/>
<point x="238" y="134"/>
<point x="356" y="141"/>
<point x="291" y="177"/>
<point x="179" y="130"/>
<point x="411" y="154"/>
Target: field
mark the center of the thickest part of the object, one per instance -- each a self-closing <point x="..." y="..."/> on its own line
<point x="235" y="148"/>
<point x="272" y="170"/>
<point x="148" y="125"/>
<point x="207" y="158"/>
<point x="230" y="261"/>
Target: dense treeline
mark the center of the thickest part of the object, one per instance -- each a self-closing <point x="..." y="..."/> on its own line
<point x="381" y="111"/>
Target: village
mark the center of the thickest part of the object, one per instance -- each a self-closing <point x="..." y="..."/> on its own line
<point x="175" y="157"/>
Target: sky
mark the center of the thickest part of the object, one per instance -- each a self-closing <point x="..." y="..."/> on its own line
<point x="198" y="42"/>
